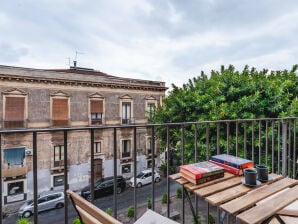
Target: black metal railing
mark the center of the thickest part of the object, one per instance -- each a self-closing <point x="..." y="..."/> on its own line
<point x="266" y="141"/>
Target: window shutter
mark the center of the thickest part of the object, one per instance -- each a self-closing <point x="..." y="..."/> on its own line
<point x="96" y="106"/>
<point x="60" y="112"/>
<point x="14" y="108"/>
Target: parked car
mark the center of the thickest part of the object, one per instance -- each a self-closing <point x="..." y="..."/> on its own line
<point x="104" y="187"/>
<point x="144" y="177"/>
<point x="45" y="202"/>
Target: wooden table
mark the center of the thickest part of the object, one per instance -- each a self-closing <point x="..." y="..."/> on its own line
<point x="258" y="204"/>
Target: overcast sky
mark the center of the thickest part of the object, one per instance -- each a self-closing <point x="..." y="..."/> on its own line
<point x="162" y="40"/>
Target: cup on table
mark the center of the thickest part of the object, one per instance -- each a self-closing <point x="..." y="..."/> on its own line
<point x="250" y="177"/>
<point x="262" y="172"/>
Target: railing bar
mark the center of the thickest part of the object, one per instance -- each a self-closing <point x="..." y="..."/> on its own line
<point x="294" y="148"/>
<point x="35" y="186"/>
<point x="168" y="179"/>
<point x="260" y="142"/>
<point x="228" y="138"/>
<point x="266" y="144"/>
<point x="217" y="138"/>
<point x="1" y="215"/>
<point x="289" y="150"/>
<point x="153" y="166"/>
<point x="65" y="177"/>
<point x="245" y="139"/>
<point x="135" y="161"/>
<point x="278" y="148"/>
<point x="284" y="148"/>
<point x="272" y="148"/>
<point x="252" y="141"/>
<point x="237" y="130"/>
<point x="207" y="141"/>
<point x="92" y="165"/>
<point x="115" y="172"/>
<point x="196" y="160"/>
<point x="182" y="161"/>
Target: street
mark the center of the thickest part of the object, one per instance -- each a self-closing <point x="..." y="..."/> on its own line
<point x="125" y="199"/>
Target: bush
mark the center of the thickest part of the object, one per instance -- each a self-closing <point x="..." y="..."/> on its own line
<point x="211" y="219"/>
<point x="164" y="198"/>
<point x="149" y="203"/>
<point x="109" y="211"/>
<point x="76" y="221"/>
<point x="23" y="221"/>
<point x="131" y="211"/>
<point x="198" y="219"/>
<point x="179" y="192"/>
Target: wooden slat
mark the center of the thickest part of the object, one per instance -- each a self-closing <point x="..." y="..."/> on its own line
<point x="193" y="187"/>
<point x="86" y="217"/>
<point x="234" y="192"/>
<point x="92" y="210"/>
<point x="249" y="200"/>
<point x="203" y="192"/>
<point x="289" y="219"/>
<point x="274" y="221"/>
<point x="182" y="181"/>
<point x="291" y="210"/>
<point x="261" y="212"/>
<point x="175" y="176"/>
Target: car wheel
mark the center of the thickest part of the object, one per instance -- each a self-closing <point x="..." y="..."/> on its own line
<point x="88" y="197"/>
<point x="157" y="179"/>
<point x="27" y="214"/>
<point x="139" y="184"/>
<point x="119" y="190"/>
<point x="59" y="205"/>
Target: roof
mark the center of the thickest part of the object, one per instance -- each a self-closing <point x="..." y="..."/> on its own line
<point x="78" y="75"/>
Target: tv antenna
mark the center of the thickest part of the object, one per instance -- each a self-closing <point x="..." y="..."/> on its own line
<point x="76" y="58"/>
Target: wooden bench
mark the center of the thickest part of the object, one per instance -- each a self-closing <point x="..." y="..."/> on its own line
<point x="90" y="214"/>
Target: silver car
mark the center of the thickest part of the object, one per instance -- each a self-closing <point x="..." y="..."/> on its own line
<point x="45" y="202"/>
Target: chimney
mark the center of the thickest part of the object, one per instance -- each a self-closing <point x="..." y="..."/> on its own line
<point x="74" y="64"/>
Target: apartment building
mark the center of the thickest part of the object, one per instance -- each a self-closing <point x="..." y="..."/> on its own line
<point x="75" y="97"/>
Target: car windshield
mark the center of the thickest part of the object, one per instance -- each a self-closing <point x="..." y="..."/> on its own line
<point x="140" y="175"/>
<point x="29" y="202"/>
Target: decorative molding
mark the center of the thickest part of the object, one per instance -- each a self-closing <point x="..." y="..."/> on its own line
<point x="150" y="98"/>
<point x="126" y="97"/>
<point x="15" y="91"/>
<point x="59" y="93"/>
<point x="96" y="95"/>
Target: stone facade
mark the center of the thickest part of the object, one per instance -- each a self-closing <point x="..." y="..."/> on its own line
<point x="77" y="88"/>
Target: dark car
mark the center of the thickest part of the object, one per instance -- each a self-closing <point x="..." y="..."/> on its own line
<point x="104" y="187"/>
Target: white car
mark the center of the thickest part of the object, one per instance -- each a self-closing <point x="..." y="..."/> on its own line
<point x="45" y="202"/>
<point x="144" y="177"/>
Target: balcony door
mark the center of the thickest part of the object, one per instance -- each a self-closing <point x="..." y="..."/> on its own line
<point x="14" y="112"/>
<point x="126" y="112"/>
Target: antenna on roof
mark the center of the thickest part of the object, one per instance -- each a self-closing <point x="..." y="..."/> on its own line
<point x="76" y="57"/>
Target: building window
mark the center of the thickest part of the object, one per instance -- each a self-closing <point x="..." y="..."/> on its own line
<point x="60" y="112"/>
<point x="125" y="148"/>
<point x="96" y="110"/>
<point x="58" y="155"/>
<point x="14" y="112"/>
<point x="149" y="145"/>
<point x="97" y="147"/>
<point x="58" y="180"/>
<point x="126" y="168"/>
<point x="149" y="163"/>
<point x="126" y="113"/>
<point x="150" y="109"/>
<point x="15" y="188"/>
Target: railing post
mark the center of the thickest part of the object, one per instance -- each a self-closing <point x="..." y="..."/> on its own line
<point x="168" y="179"/>
<point x="1" y="179"/>
<point x="284" y="148"/>
<point x="65" y="179"/>
<point x="35" y="189"/>
<point x="92" y="165"/>
<point x="153" y="165"/>
<point x="237" y="130"/>
<point x="135" y="162"/>
<point x="207" y="141"/>
<point x="260" y="142"/>
<point x="294" y="149"/>
<point x="272" y="148"/>
<point x="217" y="138"/>
<point x="115" y="171"/>
<point x="253" y="141"/>
<point x="182" y="162"/>
<point x="266" y="144"/>
<point x="245" y="140"/>
<point x="228" y="137"/>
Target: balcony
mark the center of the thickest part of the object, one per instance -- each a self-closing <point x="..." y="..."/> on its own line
<point x="14" y="171"/>
<point x="266" y="141"/>
<point x="129" y="121"/>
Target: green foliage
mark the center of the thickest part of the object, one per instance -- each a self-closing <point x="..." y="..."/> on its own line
<point x="179" y="192"/>
<point x="109" y="211"/>
<point x="164" y="198"/>
<point x="198" y="219"/>
<point x="131" y="211"/>
<point x="211" y="219"/>
<point x="149" y="203"/>
<point x="227" y="94"/>
<point x="23" y="221"/>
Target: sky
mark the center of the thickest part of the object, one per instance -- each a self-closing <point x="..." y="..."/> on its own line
<point x="161" y="40"/>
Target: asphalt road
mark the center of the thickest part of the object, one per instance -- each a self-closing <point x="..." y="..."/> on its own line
<point x="125" y="199"/>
